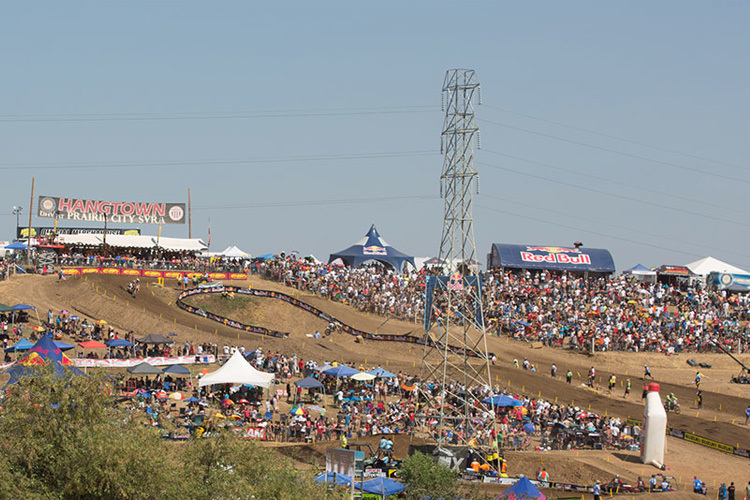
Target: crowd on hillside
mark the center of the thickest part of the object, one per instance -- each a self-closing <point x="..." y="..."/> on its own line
<point x="557" y="309"/>
<point x="148" y="259"/>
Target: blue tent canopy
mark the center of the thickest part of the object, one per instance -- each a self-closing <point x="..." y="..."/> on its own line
<point x="380" y="372"/>
<point x="21" y="345"/>
<point x="118" y="343"/>
<point x="522" y="489"/>
<point x="372" y="247"/>
<point x="309" y="383"/>
<point x="176" y="370"/>
<point x="266" y="256"/>
<point x="22" y="307"/>
<point x="330" y="477"/>
<point x="341" y="371"/>
<point x="502" y="400"/>
<point x="43" y="352"/>
<point x="381" y="486"/>
<point x="592" y="260"/>
<point x="63" y="346"/>
<point x="16" y="245"/>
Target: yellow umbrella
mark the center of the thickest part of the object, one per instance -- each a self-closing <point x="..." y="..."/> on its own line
<point x="101" y="322"/>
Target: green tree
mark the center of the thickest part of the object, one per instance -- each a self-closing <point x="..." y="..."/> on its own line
<point x="426" y="478"/>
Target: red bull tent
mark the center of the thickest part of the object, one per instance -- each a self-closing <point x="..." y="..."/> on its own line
<point x="372" y="247"/>
<point x="43" y="352"/>
<point x="571" y="259"/>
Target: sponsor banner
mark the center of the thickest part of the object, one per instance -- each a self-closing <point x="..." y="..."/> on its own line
<point x="296" y="303"/>
<point x="127" y="212"/>
<point x="551" y="257"/>
<point x="127" y="363"/>
<point x="708" y="443"/>
<point x="373" y="473"/>
<point x="150" y="273"/>
<point x="156" y="361"/>
<point x="258" y="433"/>
<point x="43" y="231"/>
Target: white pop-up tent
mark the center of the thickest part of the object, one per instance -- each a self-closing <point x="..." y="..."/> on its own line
<point x="234" y="252"/>
<point x="237" y="371"/>
<point x="708" y="265"/>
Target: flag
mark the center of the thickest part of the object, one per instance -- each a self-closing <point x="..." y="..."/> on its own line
<point x="209" y="233"/>
<point x="158" y="236"/>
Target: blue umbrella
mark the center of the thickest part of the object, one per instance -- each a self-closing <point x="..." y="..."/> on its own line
<point x="118" y="343"/>
<point x="529" y="428"/>
<point x="63" y="346"/>
<point x="21" y="345"/>
<point x="267" y="256"/>
<point x="524" y="323"/>
<point x="503" y="400"/>
<point x="192" y="400"/>
<point x="341" y="371"/>
<point x="380" y="372"/>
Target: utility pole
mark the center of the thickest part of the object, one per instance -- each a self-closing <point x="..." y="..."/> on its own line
<point x="455" y="354"/>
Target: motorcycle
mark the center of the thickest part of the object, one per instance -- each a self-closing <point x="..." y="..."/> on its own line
<point x="133" y="289"/>
<point x="672" y="406"/>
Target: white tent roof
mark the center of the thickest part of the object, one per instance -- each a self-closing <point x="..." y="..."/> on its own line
<point x="233" y="251"/>
<point x="133" y="241"/>
<point x="237" y="371"/>
<point x="707" y="265"/>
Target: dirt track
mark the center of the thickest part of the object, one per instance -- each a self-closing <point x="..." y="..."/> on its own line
<point x="154" y="311"/>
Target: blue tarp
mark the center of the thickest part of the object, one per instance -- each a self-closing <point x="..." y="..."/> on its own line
<point x="502" y="400"/>
<point x="522" y="489"/>
<point x="309" y="383"/>
<point x="593" y="260"/>
<point x="372" y="247"/>
<point x="380" y="372"/>
<point x="382" y="486"/>
<point x="21" y="345"/>
<point x="639" y="269"/>
<point x="341" y="371"/>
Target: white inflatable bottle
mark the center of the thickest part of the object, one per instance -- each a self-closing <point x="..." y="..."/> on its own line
<point x="653" y="432"/>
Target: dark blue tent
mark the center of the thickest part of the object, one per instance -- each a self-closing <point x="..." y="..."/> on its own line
<point x="522" y="489"/>
<point x="382" y="373"/>
<point x="44" y="352"/>
<point x="372" y="247"/>
<point x="176" y="370"/>
<point x="309" y="383"/>
<point x="63" y="346"/>
<point x="381" y="486"/>
<point x="592" y="260"/>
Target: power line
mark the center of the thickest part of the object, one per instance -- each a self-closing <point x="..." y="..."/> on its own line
<point x="605" y="179"/>
<point x="615" y="137"/>
<point x="214" y="162"/>
<point x="628" y="198"/>
<point x="617" y="226"/>
<point x="590" y="231"/>
<point x="289" y="113"/>
<point x="614" y="151"/>
<point x="307" y="203"/>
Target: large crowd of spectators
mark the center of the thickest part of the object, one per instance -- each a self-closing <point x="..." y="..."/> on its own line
<point x="618" y="313"/>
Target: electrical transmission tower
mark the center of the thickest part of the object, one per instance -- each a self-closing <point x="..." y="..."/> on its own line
<point x="455" y="356"/>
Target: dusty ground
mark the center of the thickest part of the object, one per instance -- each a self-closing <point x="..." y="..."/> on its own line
<point x="722" y="418"/>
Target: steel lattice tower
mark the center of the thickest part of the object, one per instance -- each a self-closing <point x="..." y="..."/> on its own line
<point x="456" y="346"/>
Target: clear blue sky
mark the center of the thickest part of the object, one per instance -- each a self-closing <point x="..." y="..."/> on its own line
<point x="233" y="91"/>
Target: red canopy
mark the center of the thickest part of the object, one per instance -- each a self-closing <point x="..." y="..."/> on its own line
<point x="92" y="344"/>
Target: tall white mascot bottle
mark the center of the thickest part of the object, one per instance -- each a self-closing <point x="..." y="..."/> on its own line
<point x="654" y="428"/>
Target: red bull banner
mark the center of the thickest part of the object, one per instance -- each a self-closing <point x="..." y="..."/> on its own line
<point x="150" y="273"/>
<point x="553" y="258"/>
<point x="121" y="212"/>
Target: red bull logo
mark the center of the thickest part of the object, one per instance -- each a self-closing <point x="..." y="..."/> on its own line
<point x="559" y="258"/>
<point x="374" y="250"/>
<point x="455" y="282"/>
<point x="553" y="249"/>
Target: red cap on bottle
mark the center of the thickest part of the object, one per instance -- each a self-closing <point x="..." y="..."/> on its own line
<point x="653" y="387"/>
